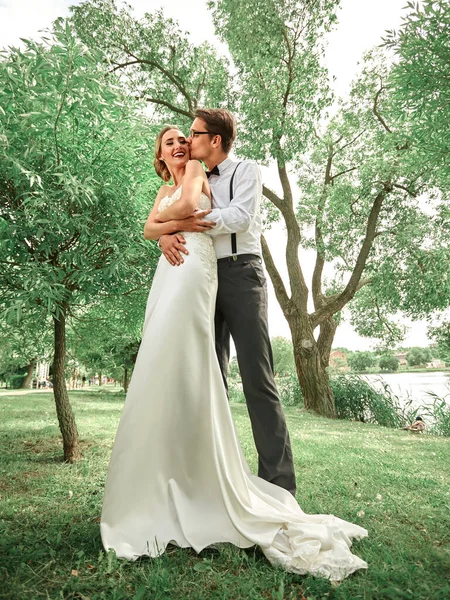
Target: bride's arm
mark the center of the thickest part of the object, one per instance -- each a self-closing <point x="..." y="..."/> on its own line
<point x="190" y="194"/>
<point x="154" y="229"/>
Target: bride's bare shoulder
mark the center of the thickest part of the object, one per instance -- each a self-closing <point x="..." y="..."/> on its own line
<point x="194" y="167"/>
<point x="163" y="191"/>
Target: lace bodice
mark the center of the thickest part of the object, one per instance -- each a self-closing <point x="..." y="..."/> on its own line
<point x="200" y="243"/>
<point x="203" y="204"/>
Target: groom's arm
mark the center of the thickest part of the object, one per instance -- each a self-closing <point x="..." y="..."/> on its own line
<point x="239" y="215"/>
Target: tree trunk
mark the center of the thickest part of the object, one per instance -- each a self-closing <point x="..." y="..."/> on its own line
<point x="325" y="341"/>
<point x="100" y="379"/>
<point x="125" y="380"/>
<point x="64" y="411"/>
<point x="30" y="369"/>
<point x="311" y="372"/>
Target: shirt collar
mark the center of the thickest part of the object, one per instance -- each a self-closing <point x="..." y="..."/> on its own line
<point x="225" y="164"/>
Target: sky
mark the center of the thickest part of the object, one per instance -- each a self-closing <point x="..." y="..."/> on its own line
<point x="361" y="25"/>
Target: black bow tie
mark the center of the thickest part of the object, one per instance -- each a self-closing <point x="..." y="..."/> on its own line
<point x="214" y="171"/>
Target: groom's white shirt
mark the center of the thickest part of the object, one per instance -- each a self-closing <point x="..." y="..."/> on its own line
<point x="243" y="214"/>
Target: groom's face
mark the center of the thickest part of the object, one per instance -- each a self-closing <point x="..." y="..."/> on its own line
<point x="200" y="142"/>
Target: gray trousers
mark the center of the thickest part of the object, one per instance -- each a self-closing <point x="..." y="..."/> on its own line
<point x="241" y="310"/>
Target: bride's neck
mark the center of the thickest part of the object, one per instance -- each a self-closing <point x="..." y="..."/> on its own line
<point x="177" y="176"/>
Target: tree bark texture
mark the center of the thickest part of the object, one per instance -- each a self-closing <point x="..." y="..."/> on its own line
<point x="29" y="375"/>
<point x="64" y="410"/>
<point x="311" y="371"/>
<point x="125" y="380"/>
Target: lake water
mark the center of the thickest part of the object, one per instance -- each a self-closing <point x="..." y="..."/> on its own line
<point x="414" y="386"/>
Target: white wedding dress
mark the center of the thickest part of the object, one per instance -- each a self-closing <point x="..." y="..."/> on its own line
<point x="177" y="473"/>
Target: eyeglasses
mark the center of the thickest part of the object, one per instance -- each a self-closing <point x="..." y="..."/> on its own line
<point x="193" y="133"/>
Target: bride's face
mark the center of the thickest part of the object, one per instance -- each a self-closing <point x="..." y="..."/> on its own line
<point x="174" y="149"/>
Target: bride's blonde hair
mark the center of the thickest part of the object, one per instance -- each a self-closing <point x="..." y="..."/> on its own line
<point x="160" y="166"/>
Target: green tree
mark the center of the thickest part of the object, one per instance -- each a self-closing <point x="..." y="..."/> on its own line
<point x="75" y="189"/>
<point x="23" y="344"/>
<point x="441" y="335"/>
<point x="105" y="338"/>
<point x="388" y="362"/>
<point x="418" y="356"/>
<point x="421" y="81"/>
<point x="283" y="356"/>
<point x="361" y="361"/>
<point x="233" y="369"/>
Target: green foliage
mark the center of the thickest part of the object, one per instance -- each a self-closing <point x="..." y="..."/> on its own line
<point x="357" y="400"/>
<point x="74" y="202"/>
<point x="154" y="58"/>
<point x="440" y="415"/>
<point x="30" y="339"/>
<point x="283" y="356"/>
<point x="361" y="361"/>
<point x="282" y="84"/>
<point x="106" y="336"/>
<point x="388" y="362"/>
<point x="69" y="211"/>
<point x="233" y="369"/>
<point x="235" y="391"/>
<point x="290" y="390"/>
<point x="418" y="356"/>
<point x="420" y="80"/>
<point x="441" y="335"/>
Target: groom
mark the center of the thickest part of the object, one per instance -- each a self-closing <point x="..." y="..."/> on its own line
<point x="241" y="308"/>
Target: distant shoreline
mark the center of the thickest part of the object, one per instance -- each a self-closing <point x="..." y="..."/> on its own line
<point x="398" y="372"/>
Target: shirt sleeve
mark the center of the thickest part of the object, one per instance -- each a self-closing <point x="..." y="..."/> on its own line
<point x="239" y="215"/>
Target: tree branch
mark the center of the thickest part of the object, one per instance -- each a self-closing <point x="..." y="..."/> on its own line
<point x="275" y="277"/>
<point x="403" y="187"/>
<point x="348" y="143"/>
<point x="168" y="105"/>
<point x="316" y="287"/>
<point x="172" y="77"/>
<point x="339" y="301"/>
<point x="273" y="197"/>
<point x="333" y="177"/>
<point x="299" y="289"/>
<point x="375" y="110"/>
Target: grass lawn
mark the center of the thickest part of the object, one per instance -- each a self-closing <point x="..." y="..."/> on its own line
<point x="391" y="482"/>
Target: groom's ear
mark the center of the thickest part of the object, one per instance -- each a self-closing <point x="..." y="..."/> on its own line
<point x="217" y="141"/>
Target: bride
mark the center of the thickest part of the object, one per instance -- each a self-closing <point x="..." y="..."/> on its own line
<point x="177" y="472"/>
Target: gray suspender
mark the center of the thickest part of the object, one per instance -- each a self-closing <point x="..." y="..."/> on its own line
<point x="233" y="235"/>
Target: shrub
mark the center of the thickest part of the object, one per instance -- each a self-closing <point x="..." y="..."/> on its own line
<point x="357" y="400"/>
<point x="235" y="393"/>
<point x="440" y="415"/>
<point x="290" y="390"/>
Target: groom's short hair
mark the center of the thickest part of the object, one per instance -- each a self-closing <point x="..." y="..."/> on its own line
<point x="219" y="121"/>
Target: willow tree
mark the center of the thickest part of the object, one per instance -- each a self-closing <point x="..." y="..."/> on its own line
<point x="74" y="174"/>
